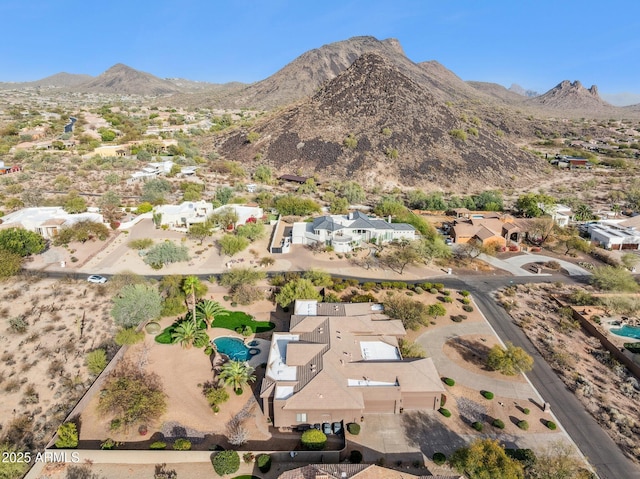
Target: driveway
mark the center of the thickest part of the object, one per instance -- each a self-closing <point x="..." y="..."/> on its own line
<point x="514" y="264"/>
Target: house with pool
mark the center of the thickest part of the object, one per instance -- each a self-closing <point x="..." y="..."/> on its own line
<point x="340" y="361"/>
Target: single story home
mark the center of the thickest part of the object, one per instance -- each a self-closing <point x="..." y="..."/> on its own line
<point x="347" y="470"/>
<point x="249" y="213"/>
<point x="342" y="360"/>
<point x="344" y="232"/>
<point x="561" y="214"/>
<point x="46" y="220"/>
<point x="184" y="215"/>
<point x="614" y="236"/>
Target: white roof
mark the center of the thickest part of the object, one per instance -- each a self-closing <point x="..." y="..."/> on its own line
<point x="378" y="350"/>
<point x="277" y="367"/>
<point x="306" y="307"/>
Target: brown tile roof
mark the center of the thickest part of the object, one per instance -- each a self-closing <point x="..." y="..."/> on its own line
<point x="300" y="353"/>
<point x="483" y="233"/>
<point x="355" y="471"/>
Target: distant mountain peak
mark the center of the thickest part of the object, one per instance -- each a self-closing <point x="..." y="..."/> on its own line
<point x="568" y="95"/>
<point x="122" y="79"/>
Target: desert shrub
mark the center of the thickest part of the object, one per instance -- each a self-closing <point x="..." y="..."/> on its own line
<point x="140" y="244"/>
<point x="355" y="457"/>
<point x="449" y="381"/>
<point x="158" y="445"/>
<point x="18" y="324"/>
<point x="313" y="440"/>
<point x="127" y="336"/>
<point x="446" y="292"/>
<point x="551" y="425"/>
<point x="182" y="444"/>
<point x="96" y="361"/>
<point x="433" y="291"/>
<point x="447" y="299"/>
<point x="226" y="462"/>
<point x="478" y="426"/>
<point x="166" y="252"/>
<point x="67" y="436"/>
<point x="526" y="410"/>
<point x="465" y="293"/>
<point x="353" y="428"/>
<point x="11" y="469"/>
<point x="144" y="207"/>
<point x="444" y="412"/>
<point x="108" y="444"/>
<point x="498" y="423"/>
<point x="524" y="425"/>
<point x="439" y="458"/>
<point x="468" y="308"/>
<point x="526" y="457"/>
<point x="487" y="394"/>
<point x="263" y="461"/>
<point x="510" y="360"/>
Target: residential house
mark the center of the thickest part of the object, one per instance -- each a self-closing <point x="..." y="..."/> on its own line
<point x="344" y="232"/>
<point x="107" y="151"/>
<point x="614" y="236"/>
<point x="249" y="213"/>
<point x="294" y="178"/>
<point x="182" y="216"/>
<point x="48" y="221"/>
<point x="9" y="169"/>
<point x="560" y="214"/>
<point x="354" y="471"/>
<point x="340" y="361"/>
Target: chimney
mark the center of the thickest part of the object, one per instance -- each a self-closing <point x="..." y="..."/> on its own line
<point x="389" y="219"/>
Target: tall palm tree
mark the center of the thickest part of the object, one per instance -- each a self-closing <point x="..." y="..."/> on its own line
<point x="189" y="286"/>
<point x="208" y="311"/>
<point x="236" y="374"/>
<point x="188" y="334"/>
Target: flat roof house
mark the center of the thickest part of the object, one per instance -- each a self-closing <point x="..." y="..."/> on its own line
<point x="185" y="214"/>
<point x="614" y="236"/>
<point x="46" y="220"/>
<point x="339" y="361"/>
<point x="343" y="232"/>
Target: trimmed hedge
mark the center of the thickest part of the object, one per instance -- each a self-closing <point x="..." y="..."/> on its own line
<point x="355" y="457"/>
<point x="487" y="394"/>
<point x="444" y="412"/>
<point x="552" y="425"/>
<point x="263" y="461"/>
<point x="158" y="445"/>
<point x="439" y="458"/>
<point x="449" y="381"/>
<point x="478" y="426"/>
<point x="226" y="462"/>
<point x="353" y="428"/>
<point x="313" y="440"/>
<point x="182" y="445"/>
<point x="498" y="423"/>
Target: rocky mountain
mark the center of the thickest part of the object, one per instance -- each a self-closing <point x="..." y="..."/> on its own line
<point x="498" y="92"/>
<point x="567" y="96"/>
<point x="121" y="79"/>
<point x="376" y="124"/>
<point x="62" y="80"/>
<point x="515" y="88"/>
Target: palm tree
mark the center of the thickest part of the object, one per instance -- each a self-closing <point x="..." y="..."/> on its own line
<point x="583" y="213"/>
<point x="189" y="286"/>
<point x="208" y="311"/>
<point x="188" y="334"/>
<point x="236" y="374"/>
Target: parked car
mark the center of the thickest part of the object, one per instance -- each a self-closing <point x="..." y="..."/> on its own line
<point x="303" y="427"/>
<point x="317" y="426"/>
<point x="448" y="241"/>
<point x="326" y="428"/>
<point x="96" y="278"/>
<point x="337" y="427"/>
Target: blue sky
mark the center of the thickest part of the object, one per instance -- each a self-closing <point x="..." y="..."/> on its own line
<point x="533" y="43"/>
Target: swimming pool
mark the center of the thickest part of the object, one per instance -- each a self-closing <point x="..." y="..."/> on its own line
<point x="234" y="348"/>
<point x="627" y="331"/>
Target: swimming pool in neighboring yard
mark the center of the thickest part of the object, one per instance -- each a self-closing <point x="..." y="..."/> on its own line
<point x="627" y="331"/>
<point x="234" y="348"/>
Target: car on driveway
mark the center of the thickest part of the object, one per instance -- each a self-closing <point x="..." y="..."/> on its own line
<point x="326" y="428"/>
<point x="337" y="427"/>
<point x="96" y="278"/>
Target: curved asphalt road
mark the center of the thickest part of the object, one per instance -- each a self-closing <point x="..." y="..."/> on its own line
<point x="591" y="439"/>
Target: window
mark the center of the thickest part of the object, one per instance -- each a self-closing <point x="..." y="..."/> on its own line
<point x="301" y="417"/>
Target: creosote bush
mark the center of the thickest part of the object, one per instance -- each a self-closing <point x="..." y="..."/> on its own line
<point x="449" y="381"/>
<point x="498" y="423"/>
<point x="551" y="425"/>
<point x="487" y="394"/>
<point x="524" y="425"/>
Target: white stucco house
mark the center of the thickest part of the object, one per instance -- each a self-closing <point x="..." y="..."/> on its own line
<point x="614" y="236"/>
<point x="246" y="213"/>
<point x="46" y="220"/>
<point x="182" y="216"/>
<point x="344" y="232"/>
<point x="561" y="214"/>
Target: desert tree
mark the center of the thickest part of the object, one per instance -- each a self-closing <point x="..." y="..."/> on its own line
<point x="300" y="288"/>
<point x="484" y="459"/>
<point x="136" y="304"/>
<point x="510" y="360"/>
<point x="21" y="241"/>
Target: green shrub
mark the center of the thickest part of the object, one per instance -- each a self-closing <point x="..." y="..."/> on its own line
<point x="96" y="361"/>
<point x="446" y="299"/>
<point x="498" y="423"/>
<point x="433" y="291"/>
<point x="128" y="336"/>
<point x="458" y="134"/>
<point x="313" y="440"/>
<point x="355" y="457"/>
<point x="526" y="410"/>
<point x="158" y="445"/>
<point x="526" y="457"/>
<point x="465" y="301"/>
<point x="68" y="436"/>
<point x="115" y="424"/>
<point x="465" y="293"/>
<point x="446" y="292"/>
<point x="439" y="458"/>
<point x="182" y="445"/>
<point x="478" y="426"/>
<point x="552" y="425"/>
<point x="487" y="394"/>
<point x="438" y="286"/>
<point x="226" y="462"/>
<point x="524" y="425"/>
<point x="263" y="461"/>
<point x="449" y="381"/>
<point x="353" y="428"/>
<point x="426" y="286"/>
<point x="418" y="290"/>
<point x="368" y="286"/>
<point x="468" y="308"/>
<point x="444" y="412"/>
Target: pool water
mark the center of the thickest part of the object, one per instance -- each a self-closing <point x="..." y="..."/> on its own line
<point x="234" y="348"/>
<point x="627" y="331"/>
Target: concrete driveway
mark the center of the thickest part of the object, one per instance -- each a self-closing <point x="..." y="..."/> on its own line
<point x="514" y="265"/>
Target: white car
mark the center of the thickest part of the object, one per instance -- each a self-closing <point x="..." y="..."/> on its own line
<point x="96" y="278"/>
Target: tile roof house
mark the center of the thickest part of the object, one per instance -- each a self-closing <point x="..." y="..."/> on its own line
<point x="353" y="471"/>
<point x="343" y="232"/>
<point x="47" y="221"/>
<point x="339" y="361"/>
<point x="492" y="229"/>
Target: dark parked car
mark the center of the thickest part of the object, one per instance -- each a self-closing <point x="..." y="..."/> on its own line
<point x="326" y="428"/>
<point x="337" y="427"/>
<point x="303" y="427"/>
<point x="317" y="426"/>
